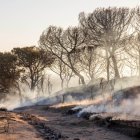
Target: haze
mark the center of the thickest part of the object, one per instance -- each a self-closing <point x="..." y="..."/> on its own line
<point x="22" y="21"/>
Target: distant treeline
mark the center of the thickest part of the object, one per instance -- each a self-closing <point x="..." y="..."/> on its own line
<point x="106" y="43"/>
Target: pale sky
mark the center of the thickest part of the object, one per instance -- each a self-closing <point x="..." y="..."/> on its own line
<point x="22" y="21"/>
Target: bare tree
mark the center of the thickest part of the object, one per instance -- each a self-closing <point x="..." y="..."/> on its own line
<point x="107" y="29"/>
<point x="64" y="45"/>
<point x="92" y="64"/>
<point x="49" y="85"/>
<point x="133" y="50"/>
<point x="58" y="68"/>
<point x="68" y="74"/>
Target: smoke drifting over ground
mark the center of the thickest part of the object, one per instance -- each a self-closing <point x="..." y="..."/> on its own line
<point x="124" y="99"/>
<point x="89" y="98"/>
<point x="27" y="98"/>
<point x="129" y="106"/>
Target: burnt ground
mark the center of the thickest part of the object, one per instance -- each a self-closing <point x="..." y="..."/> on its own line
<point x="69" y="126"/>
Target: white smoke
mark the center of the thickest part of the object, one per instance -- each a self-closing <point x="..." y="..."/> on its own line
<point x="128" y="106"/>
<point x="27" y="98"/>
<point x="75" y="94"/>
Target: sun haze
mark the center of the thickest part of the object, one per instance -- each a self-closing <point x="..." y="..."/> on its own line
<point x="22" y="21"/>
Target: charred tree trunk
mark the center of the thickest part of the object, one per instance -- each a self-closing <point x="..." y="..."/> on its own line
<point x="75" y="72"/>
<point x="62" y="83"/>
<point x="139" y="63"/>
<point x="63" y="98"/>
<point x="20" y="95"/>
<point x="82" y="80"/>
<point x="116" y="71"/>
<point x="67" y="83"/>
<point x="107" y="68"/>
<point x="32" y="85"/>
<point x="108" y="64"/>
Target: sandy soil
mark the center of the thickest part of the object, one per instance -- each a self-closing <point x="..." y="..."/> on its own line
<point x="72" y="126"/>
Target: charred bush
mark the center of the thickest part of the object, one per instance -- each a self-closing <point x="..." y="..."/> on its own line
<point x="86" y="115"/>
<point x="3" y="109"/>
<point x="73" y="111"/>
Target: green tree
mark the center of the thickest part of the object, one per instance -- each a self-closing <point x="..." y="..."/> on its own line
<point x="9" y="73"/>
<point x="33" y="60"/>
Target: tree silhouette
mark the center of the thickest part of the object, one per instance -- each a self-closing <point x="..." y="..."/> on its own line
<point x="33" y="60"/>
<point x="9" y="72"/>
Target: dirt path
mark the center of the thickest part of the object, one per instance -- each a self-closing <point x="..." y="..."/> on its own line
<point x="18" y="130"/>
<point x="74" y="127"/>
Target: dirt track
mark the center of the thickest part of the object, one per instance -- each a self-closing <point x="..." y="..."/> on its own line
<point x="74" y="127"/>
<point x="18" y="129"/>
